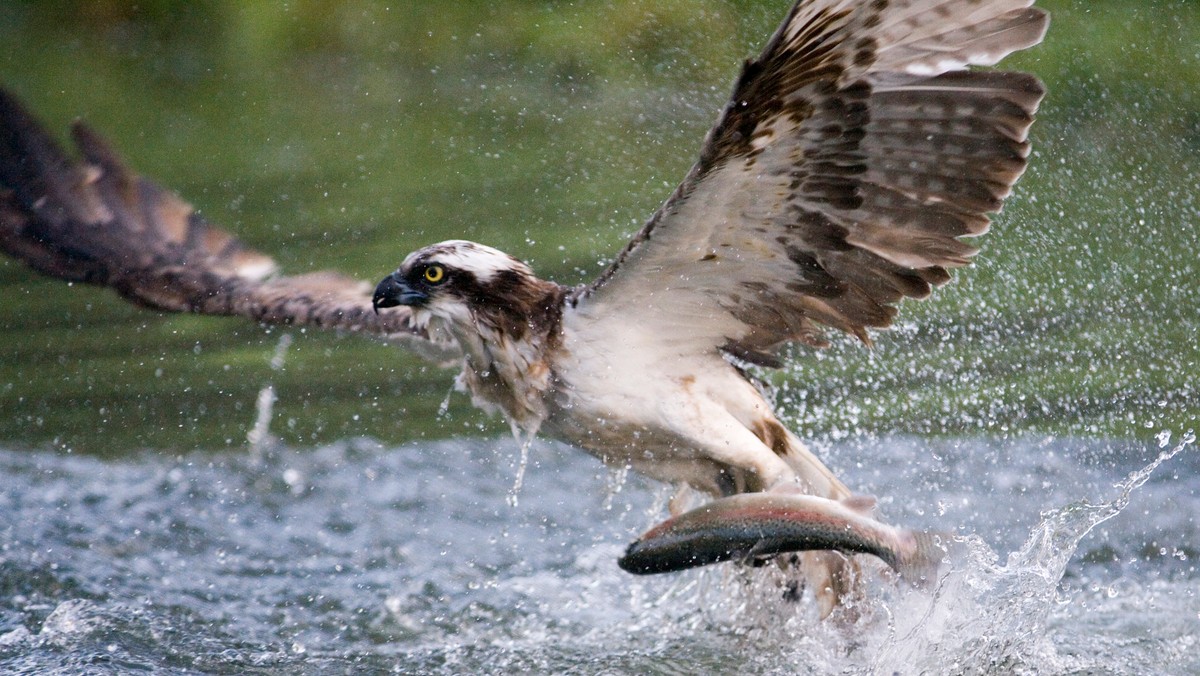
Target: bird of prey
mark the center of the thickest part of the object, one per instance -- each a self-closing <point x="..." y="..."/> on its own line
<point x="855" y="152"/>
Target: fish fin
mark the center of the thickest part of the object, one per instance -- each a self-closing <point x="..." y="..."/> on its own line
<point x="786" y="488"/>
<point x="919" y="566"/>
<point x="762" y="551"/>
<point x="861" y="504"/>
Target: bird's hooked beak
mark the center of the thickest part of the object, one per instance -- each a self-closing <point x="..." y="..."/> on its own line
<point x="394" y="290"/>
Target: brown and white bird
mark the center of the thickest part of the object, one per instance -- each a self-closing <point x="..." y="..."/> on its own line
<point x="856" y="151"/>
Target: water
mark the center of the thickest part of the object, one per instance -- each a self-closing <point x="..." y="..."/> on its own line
<point x="354" y="557"/>
<point x="362" y="135"/>
<point x="345" y="138"/>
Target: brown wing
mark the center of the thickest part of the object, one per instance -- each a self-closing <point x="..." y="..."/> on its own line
<point x="97" y="222"/>
<point x="856" y="150"/>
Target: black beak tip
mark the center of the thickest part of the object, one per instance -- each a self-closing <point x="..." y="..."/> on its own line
<point x="387" y="294"/>
<point x="393" y="291"/>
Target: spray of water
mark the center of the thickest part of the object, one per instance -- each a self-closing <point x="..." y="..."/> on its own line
<point x="526" y="440"/>
<point x="984" y="615"/>
<point x="259" y="436"/>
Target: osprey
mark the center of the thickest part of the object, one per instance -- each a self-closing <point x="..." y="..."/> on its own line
<point x="855" y="152"/>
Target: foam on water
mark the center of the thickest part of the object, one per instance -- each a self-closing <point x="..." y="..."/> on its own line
<point x="985" y="616"/>
<point x="355" y="557"/>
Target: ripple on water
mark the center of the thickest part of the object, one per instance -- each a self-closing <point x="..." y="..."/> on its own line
<point x="355" y="557"/>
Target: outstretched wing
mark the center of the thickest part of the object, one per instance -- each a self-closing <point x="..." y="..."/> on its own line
<point x="97" y="222"/>
<point x="855" y="151"/>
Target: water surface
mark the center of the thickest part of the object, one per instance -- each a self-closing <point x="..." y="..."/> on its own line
<point x="358" y="558"/>
<point x="137" y="532"/>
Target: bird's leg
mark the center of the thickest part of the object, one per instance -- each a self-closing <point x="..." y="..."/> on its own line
<point x="833" y="578"/>
<point x="683" y="500"/>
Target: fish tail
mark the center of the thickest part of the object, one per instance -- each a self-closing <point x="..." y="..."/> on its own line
<point x="918" y="563"/>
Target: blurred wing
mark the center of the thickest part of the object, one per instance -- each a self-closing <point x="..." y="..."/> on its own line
<point x="97" y="222"/>
<point x="854" y="153"/>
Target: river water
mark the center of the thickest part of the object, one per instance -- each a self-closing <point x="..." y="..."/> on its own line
<point x="358" y="558"/>
<point x="552" y="130"/>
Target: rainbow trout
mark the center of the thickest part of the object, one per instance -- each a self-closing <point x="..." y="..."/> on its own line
<point x="761" y="524"/>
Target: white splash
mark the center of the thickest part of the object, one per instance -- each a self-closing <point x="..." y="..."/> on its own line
<point x="983" y="615"/>
<point x="522" y="464"/>
<point x="259" y="436"/>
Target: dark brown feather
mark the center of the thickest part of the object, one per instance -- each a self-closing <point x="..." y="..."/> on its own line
<point x="883" y="156"/>
<point x="97" y="222"/>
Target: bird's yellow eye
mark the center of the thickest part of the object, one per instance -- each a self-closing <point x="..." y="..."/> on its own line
<point x="434" y="274"/>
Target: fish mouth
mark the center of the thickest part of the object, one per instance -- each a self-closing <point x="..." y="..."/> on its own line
<point x="691" y="551"/>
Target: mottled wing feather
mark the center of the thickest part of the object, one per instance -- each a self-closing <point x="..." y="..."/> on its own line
<point x="855" y="152"/>
<point x="95" y="221"/>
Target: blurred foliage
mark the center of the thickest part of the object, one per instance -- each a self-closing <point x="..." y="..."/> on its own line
<point x="346" y="134"/>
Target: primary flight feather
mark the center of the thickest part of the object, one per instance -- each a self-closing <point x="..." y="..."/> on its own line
<point x="855" y="153"/>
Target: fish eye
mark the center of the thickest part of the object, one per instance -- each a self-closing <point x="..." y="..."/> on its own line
<point x="435" y="274"/>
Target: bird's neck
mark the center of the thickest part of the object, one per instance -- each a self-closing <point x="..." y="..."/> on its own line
<point x="509" y="347"/>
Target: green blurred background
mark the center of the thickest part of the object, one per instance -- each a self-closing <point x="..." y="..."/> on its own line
<point x="346" y="134"/>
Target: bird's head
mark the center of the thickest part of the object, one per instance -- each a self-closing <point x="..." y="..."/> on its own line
<point x="461" y="281"/>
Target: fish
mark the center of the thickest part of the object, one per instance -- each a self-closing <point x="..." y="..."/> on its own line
<point x="750" y="526"/>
